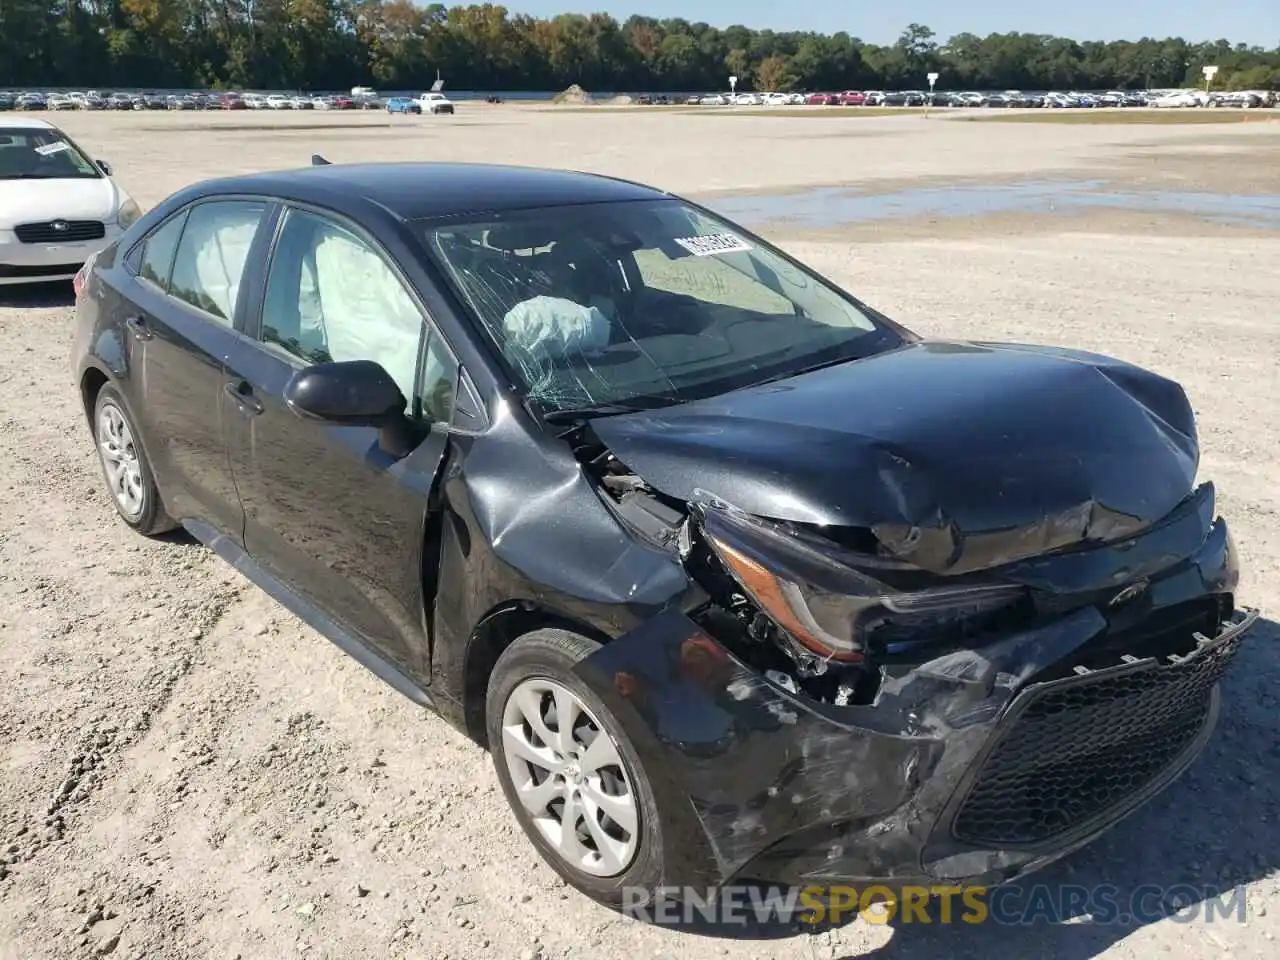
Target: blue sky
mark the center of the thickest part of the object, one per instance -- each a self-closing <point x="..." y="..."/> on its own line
<point x="1247" y="21"/>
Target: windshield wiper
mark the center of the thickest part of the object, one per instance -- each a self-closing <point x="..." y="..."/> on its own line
<point x="29" y="176"/>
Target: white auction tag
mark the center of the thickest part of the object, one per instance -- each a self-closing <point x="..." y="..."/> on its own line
<point x="713" y="244"/>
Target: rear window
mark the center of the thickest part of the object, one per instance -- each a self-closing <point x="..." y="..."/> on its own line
<point x="39" y="154"/>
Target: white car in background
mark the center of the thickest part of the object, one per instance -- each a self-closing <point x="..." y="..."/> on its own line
<point x="1180" y="98"/>
<point x="435" y="103"/>
<point x="57" y="206"/>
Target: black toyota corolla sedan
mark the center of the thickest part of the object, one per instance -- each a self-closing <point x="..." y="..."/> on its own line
<point x="736" y="578"/>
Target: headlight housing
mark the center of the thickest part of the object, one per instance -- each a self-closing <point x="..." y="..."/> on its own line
<point x="129" y="214"/>
<point x="834" y="611"/>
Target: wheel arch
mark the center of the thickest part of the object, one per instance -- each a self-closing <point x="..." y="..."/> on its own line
<point x="496" y="630"/>
<point x="91" y="383"/>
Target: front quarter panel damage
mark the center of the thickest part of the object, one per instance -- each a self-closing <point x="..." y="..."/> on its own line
<point x="758" y="764"/>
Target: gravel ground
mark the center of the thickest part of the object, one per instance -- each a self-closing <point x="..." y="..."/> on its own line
<point x="187" y="772"/>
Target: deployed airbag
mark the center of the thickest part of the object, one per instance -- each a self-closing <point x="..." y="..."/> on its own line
<point x="364" y="309"/>
<point x="544" y="328"/>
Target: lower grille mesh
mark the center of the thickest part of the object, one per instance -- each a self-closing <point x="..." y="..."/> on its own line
<point x="1076" y="748"/>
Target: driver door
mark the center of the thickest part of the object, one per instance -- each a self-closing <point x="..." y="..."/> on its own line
<point x="327" y="510"/>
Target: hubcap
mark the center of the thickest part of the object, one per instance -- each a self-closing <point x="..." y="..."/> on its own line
<point x="120" y="459"/>
<point x="570" y="777"/>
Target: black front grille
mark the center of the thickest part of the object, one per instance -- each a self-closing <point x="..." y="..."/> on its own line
<point x="1073" y="750"/>
<point x="60" y="231"/>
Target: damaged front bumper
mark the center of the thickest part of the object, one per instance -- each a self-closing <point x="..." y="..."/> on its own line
<point x="972" y="768"/>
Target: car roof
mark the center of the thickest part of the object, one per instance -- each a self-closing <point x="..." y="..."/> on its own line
<point x="24" y="124"/>
<point x="424" y="190"/>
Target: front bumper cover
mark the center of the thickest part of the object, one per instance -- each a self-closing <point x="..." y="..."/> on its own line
<point x="753" y="782"/>
<point x="48" y="262"/>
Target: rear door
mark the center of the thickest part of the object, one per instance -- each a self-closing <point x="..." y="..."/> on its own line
<point x="327" y="510"/>
<point x="181" y="325"/>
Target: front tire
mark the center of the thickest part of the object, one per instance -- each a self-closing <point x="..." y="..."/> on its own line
<point x="125" y="467"/>
<point x="576" y="785"/>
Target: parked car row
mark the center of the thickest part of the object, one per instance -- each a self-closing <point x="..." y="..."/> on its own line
<point x="365" y="99"/>
<point x="1008" y="98"/>
<point x="190" y="101"/>
<point x="93" y="100"/>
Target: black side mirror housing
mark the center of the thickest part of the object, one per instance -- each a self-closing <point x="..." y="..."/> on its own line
<point x="350" y="393"/>
<point x="104" y="167"/>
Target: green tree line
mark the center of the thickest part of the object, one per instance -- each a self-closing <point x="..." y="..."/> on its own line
<point x="395" y="44"/>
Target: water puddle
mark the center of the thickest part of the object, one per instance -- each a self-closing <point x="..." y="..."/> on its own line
<point x="826" y="207"/>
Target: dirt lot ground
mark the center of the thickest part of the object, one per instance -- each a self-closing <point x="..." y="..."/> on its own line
<point x="188" y="772"/>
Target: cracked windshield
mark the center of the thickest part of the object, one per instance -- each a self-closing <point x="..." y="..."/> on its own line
<point x="642" y="304"/>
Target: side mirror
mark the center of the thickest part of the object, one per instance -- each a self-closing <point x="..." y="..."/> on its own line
<point x="104" y="167"/>
<point x="352" y="393"/>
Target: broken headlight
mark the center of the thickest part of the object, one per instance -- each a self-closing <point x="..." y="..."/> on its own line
<point x="834" y="611"/>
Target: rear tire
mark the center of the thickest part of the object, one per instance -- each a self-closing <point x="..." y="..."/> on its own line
<point x="571" y="771"/>
<point x="125" y="467"/>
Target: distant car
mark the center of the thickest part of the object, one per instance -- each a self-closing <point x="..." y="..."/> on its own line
<point x="403" y="105"/>
<point x="852" y="98"/>
<point x="822" y="99"/>
<point x="435" y="103"/>
<point x="733" y="580"/>
<point x="1180" y="98"/>
<point x="57" y="206"/>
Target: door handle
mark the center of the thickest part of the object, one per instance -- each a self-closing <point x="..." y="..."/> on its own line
<point x="138" y="327"/>
<point x="249" y="405"/>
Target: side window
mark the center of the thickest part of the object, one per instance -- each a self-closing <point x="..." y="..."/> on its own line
<point x="155" y="258"/>
<point x="332" y="297"/>
<point x="439" y="381"/>
<point x="211" y="256"/>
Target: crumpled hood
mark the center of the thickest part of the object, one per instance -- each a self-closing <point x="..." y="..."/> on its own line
<point x="958" y="456"/>
<point x="36" y="201"/>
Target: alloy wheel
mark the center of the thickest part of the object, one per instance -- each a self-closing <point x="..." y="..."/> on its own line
<point x="570" y="777"/>
<point x="120" y="459"/>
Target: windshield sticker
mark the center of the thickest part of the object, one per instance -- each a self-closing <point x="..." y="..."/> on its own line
<point x="51" y="148"/>
<point x="713" y="244"/>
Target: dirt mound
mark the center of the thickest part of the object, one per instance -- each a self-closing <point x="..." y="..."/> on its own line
<point x="573" y="95"/>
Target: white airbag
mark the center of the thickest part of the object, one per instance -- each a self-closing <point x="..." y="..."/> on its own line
<point x="222" y="247"/>
<point x="543" y="328"/>
<point x="367" y="313"/>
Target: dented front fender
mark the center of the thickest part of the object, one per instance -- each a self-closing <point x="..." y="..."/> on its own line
<point x="749" y="764"/>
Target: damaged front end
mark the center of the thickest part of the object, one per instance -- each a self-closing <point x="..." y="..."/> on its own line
<point x="837" y="713"/>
